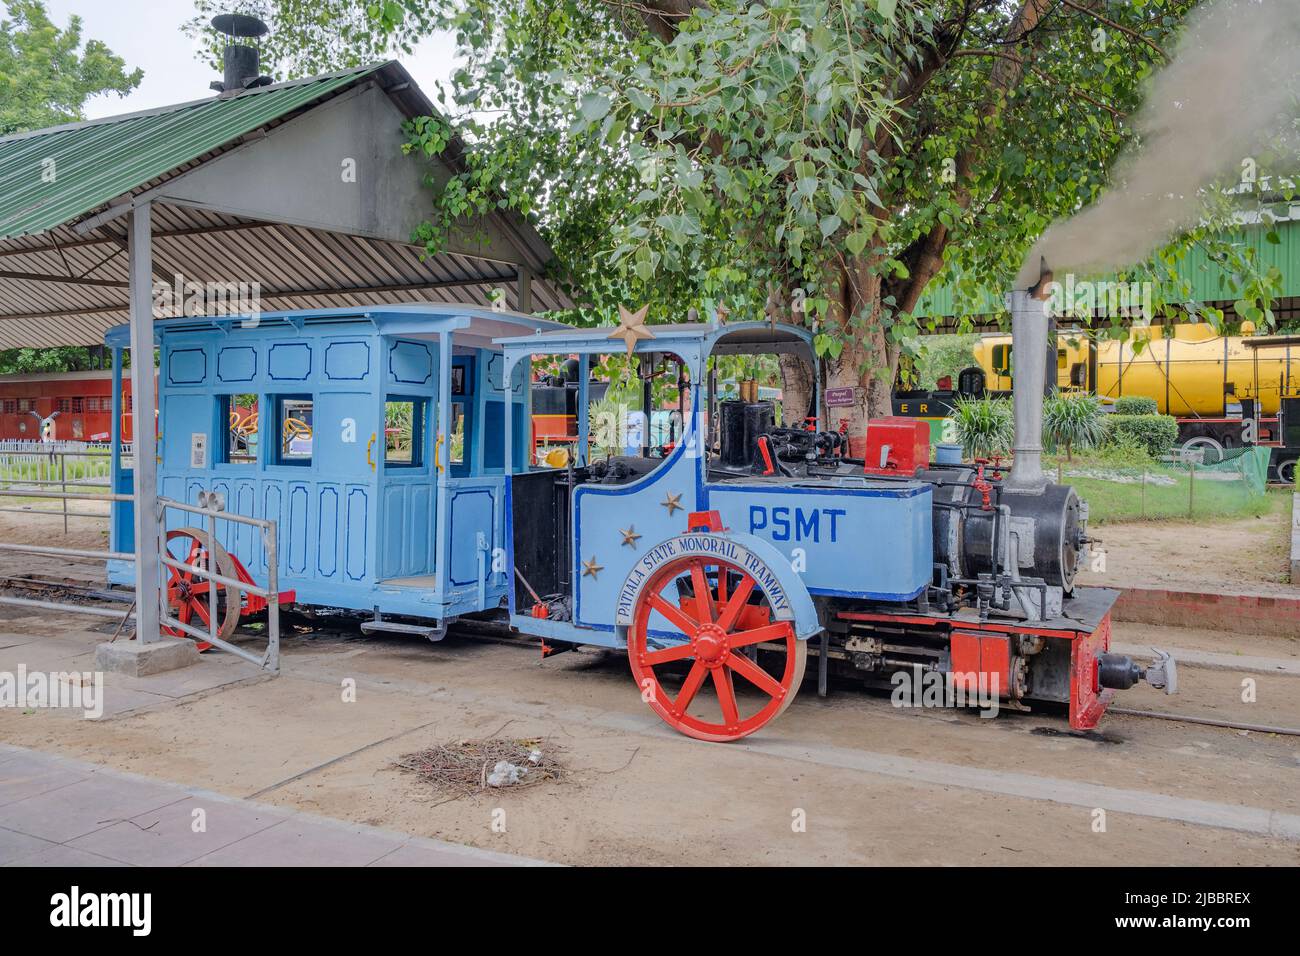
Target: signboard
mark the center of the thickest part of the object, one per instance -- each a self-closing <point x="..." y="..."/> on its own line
<point x="198" y="450"/>
<point x="841" y="397"/>
<point x="706" y="545"/>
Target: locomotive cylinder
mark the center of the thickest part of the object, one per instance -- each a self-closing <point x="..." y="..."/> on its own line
<point x="1049" y="524"/>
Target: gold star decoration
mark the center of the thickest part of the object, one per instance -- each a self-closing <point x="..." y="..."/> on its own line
<point x="672" y="503"/>
<point x="629" y="536"/>
<point x="591" y="568"/>
<point x="631" y="327"/>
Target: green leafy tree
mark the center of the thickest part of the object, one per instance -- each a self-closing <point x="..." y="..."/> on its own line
<point x="809" y="162"/>
<point x="68" y="358"/>
<point x="307" y="37"/>
<point x="47" y="74"/>
<point x="929" y="358"/>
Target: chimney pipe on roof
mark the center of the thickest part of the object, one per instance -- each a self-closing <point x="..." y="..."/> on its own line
<point x="240" y="60"/>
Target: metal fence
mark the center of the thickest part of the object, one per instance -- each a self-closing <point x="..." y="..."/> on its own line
<point x="41" y="549"/>
<point x="212" y="509"/>
<point x="43" y="466"/>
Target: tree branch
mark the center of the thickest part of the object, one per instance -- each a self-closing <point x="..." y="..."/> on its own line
<point x="1115" y="26"/>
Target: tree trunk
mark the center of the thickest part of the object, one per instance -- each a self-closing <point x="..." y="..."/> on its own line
<point x="866" y="364"/>
<point x="796" y="389"/>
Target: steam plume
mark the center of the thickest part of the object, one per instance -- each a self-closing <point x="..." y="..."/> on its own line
<point x="1229" y="89"/>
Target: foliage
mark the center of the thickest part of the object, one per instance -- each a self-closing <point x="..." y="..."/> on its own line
<point x="931" y="357"/>
<point x="818" y="162"/>
<point x="46" y="75"/>
<point x="1121" y="451"/>
<point x="983" y="426"/>
<point x="399" y="420"/>
<point x="1136" y="405"/>
<point x="308" y="37"/>
<point x="1156" y="433"/>
<point x="63" y="358"/>
<point x="1072" y="421"/>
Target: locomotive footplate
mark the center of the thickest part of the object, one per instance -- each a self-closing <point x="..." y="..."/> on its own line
<point x="1062" y="660"/>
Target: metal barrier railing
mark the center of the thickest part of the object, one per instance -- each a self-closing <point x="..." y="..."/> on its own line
<point x="66" y="553"/>
<point x="212" y="509"/>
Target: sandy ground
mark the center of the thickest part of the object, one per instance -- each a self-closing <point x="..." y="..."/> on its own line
<point x="31" y="527"/>
<point x="640" y="794"/>
<point x="1237" y="555"/>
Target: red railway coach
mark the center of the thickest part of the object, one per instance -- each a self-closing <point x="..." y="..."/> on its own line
<point x="78" y="406"/>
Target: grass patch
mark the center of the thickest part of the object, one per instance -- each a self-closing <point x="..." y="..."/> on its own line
<point x="1118" y="501"/>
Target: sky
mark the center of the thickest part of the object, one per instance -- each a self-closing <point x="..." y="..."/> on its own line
<point x="147" y="34"/>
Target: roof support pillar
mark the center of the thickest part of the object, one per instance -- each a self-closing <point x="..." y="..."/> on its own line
<point x="144" y="408"/>
<point x="525" y="289"/>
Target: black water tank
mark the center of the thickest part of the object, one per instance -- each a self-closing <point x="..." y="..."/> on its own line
<point x="970" y="382"/>
<point x="742" y="425"/>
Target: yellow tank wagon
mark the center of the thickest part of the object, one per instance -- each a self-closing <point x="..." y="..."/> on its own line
<point x="1225" y="391"/>
<point x="1191" y="373"/>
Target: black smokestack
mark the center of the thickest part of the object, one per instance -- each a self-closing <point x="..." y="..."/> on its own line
<point x="240" y="59"/>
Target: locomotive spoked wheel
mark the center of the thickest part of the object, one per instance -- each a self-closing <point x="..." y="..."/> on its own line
<point x="187" y="596"/>
<point x="716" y="619"/>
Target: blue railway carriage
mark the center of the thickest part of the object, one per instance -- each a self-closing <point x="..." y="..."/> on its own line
<point x="390" y="445"/>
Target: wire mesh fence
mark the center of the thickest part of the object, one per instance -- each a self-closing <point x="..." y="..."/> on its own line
<point x="1231" y="483"/>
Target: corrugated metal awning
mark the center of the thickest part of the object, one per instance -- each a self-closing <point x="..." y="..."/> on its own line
<point x="63" y="255"/>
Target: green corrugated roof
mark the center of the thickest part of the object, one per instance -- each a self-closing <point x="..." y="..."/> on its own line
<point x="1203" y="273"/>
<point x="96" y="161"/>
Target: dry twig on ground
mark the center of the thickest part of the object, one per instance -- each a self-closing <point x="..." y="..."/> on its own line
<point x="462" y="766"/>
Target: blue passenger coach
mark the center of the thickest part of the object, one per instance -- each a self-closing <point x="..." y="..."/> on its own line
<point x="362" y="524"/>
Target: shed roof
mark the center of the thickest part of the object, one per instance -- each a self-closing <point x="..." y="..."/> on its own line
<point x="246" y="188"/>
<point x="50" y="176"/>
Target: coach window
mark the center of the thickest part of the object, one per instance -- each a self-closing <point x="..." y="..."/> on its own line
<point x="1002" y="359"/>
<point x="456" y="444"/>
<point x="405" y="423"/>
<point x="238" y="413"/>
<point x="293" y="415"/>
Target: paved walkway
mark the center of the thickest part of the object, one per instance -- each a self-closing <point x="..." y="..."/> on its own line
<point x="55" y="811"/>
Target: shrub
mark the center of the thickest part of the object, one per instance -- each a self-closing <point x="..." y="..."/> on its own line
<point x="1123" y="452"/>
<point x="1136" y="405"/>
<point x="1157" y="433"/>
<point x="984" y="426"/>
<point x="1072" y="421"/>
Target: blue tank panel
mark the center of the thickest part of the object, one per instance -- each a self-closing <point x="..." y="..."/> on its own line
<point x="857" y="538"/>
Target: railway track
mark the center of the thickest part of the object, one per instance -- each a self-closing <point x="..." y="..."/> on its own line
<point x="486" y="631"/>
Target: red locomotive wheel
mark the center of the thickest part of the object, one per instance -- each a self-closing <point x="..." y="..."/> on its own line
<point x="187" y="598"/>
<point x="709" y="606"/>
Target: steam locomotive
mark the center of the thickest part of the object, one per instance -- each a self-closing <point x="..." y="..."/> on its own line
<point x="1001" y="609"/>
